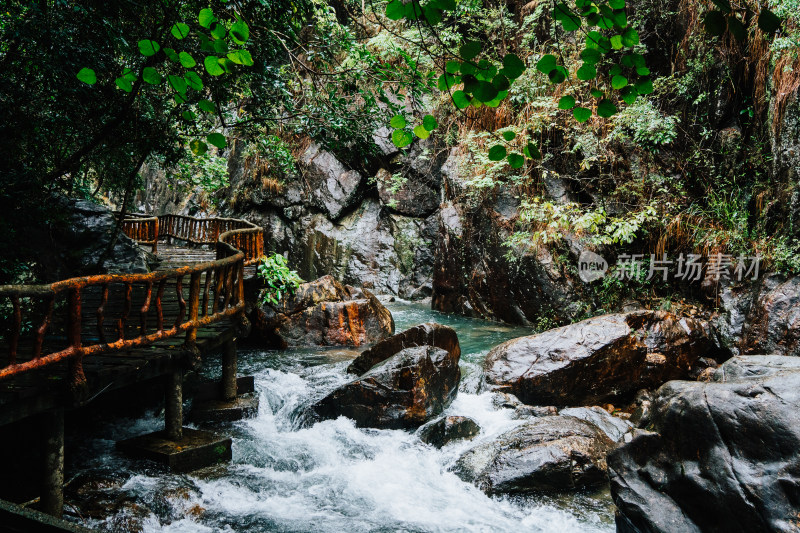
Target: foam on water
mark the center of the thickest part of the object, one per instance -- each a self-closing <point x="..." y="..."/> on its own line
<point x="333" y="476"/>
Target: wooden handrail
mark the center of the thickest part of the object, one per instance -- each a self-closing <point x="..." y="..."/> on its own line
<point x="216" y="291"/>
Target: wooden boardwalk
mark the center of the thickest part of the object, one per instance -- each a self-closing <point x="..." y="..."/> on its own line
<point x="41" y="390"/>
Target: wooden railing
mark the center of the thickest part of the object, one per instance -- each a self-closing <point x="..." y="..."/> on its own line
<point x="80" y="317"/>
<point x="245" y="236"/>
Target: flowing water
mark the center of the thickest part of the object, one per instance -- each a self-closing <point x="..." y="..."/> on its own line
<point x="332" y="476"/>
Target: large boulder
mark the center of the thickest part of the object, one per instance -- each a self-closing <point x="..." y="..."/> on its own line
<point x="334" y="187"/>
<point x="322" y="313"/>
<point x="550" y="453"/>
<point x="773" y="323"/>
<point x="428" y="334"/>
<point x="81" y="244"/>
<point x="401" y="392"/>
<point x="601" y="358"/>
<point x="722" y="455"/>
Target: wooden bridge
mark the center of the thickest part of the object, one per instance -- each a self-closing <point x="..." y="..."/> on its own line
<point x="71" y="341"/>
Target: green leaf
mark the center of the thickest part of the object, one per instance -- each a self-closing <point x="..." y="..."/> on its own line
<point x="620" y="19"/>
<point x="593" y="39"/>
<point x="568" y="19"/>
<point x="148" y="48"/>
<point x="460" y="99"/>
<point x="468" y="67"/>
<point x="241" y="57"/>
<point x="402" y="138"/>
<point x="509" y="135"/>
<point x="582" y="114"/>
<point x="240" y="32"/>
<point x="644" y="86"/>
<point x="177" y="83"/>
<point x="429" y="122"/>
<point x="532" y="151"/>
<point x="452" y="67"/>
<point x="207" y="106"/>
<point x="618" y="82"/>
<point x="212" y="66"/>
<point x="590" y="56"/>
<point x="218" y="31"/>
<point x="724" y="5"/>
<point x="486" y="92"/>
<point x="124" y="84"/>
<point x="188" y="115"/>
<point x="597" y="93"/>
<point x="193" y="80"/>
<point x="566" y="102"/>
<point x="398" y="122"/>
<point x="586" y="72"/>
<point x="186" y="59"/>
<point x="180" y="98"/>
<point x="470" y="49"/>
<point x="180" y="30"/>
<point x="218" y="140"/>
<point x="630" y="37"/>
<point x="87" y="76"/>
<point x="629" y="95"/>
<point x="421" y="132"/>
<point x="558" y="74"/>
<point x="151" y="76"/>
<point x="198" y="147"/>
<point x="395" y="10"/>
<point x="172" y="55"/>
<point x="715" y="23"/>
<point x="616" y="4"/>
<point x="638" y="60"/>
<point x="497" y="152"/>
<point x="616" y="42"/>
<point x="643" y="71"/>
<point x="606" y="108"/>
<point x="513" y="66"/>
<point x="768" y="21"/>
<point x="737" y="28"/>
<point x="546" y="64"/>
<point x="129" y="74"/>
<point x="206" y="17"/>
<point x="515" y="160"/>
<point x="613" y="71"/>
<point x="501" y="82"/>
<point x="447" y="81"/>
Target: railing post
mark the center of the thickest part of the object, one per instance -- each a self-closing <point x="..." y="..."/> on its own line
<point x="52" y="496"/>
<point x="155" y="236"/>
<point x="77" y="377"/>
<point x="173" y="405"/>
<point x="229" y="370"/>
<point x="194" y="305"/>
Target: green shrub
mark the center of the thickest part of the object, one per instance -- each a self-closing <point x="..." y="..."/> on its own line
<point x="280" y="280"/>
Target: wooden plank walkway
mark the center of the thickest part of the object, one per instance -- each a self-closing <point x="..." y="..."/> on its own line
<point x="40" y="390"/>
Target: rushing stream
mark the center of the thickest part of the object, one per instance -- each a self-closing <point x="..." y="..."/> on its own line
<point x="332" y="476"/>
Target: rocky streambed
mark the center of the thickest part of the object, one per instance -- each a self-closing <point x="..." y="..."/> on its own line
<point x="638" y="421"/>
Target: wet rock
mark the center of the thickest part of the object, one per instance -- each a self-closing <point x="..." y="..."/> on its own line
<point x="472" y="274"/>
<point x="773" y="322"/>
<point x="533" y="411"/>
<point x="428" y="334"/>
<point x="448" y="429"/>
<point x="600" y="358"/>
<point x="551" y="453"/>
<point x="322" y="313"/>
<point x="333" y="187"/>
<point x="614" y="427"/>
<point x="641" y="408"/>
<point x="402" y="392"/>
<point x="370" y="247"/>
<point x="718" y="456"/>
<point x="80" y="246"/>
<point x="406" y="195"/>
